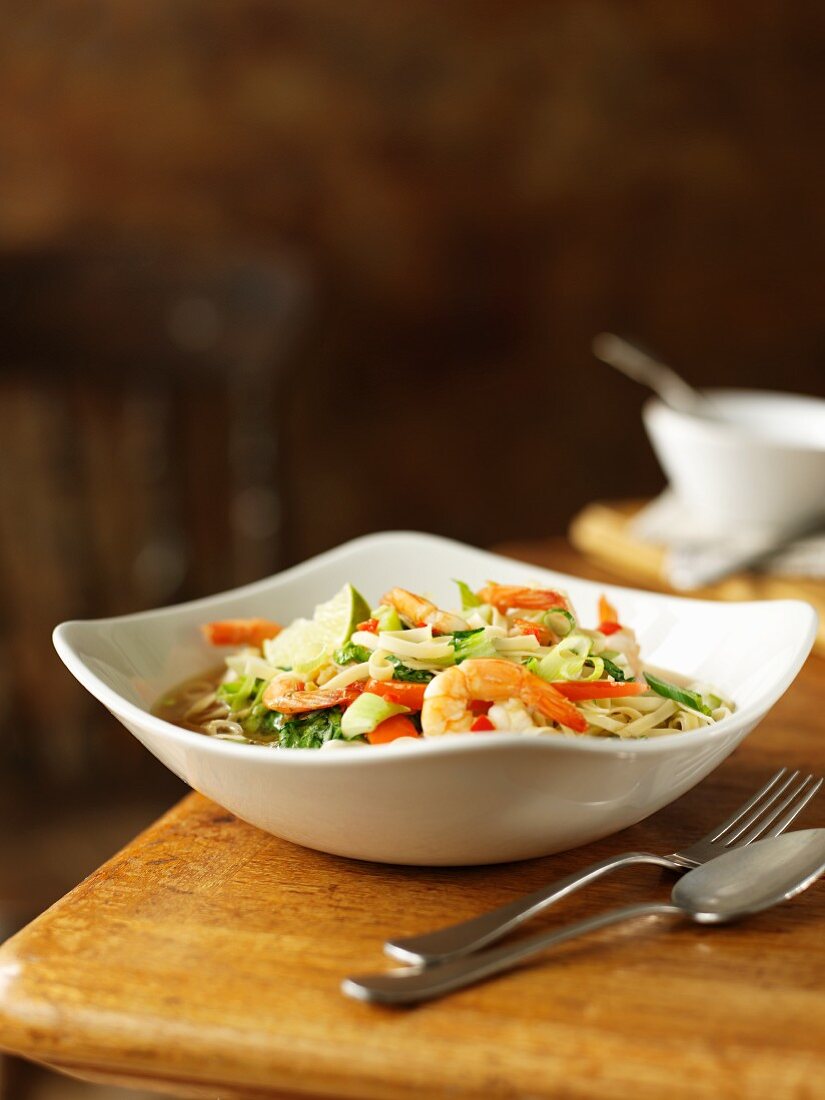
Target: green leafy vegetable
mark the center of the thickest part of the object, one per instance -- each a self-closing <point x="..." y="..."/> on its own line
<point x="351" y="654"/>
<point x="260" y="722"/>
<point x="679" y="695"/>
<point x="241" y="693"/>
<point x="615" y="671"/>
<point x="304" y="731"/>
<point x="472" y="643"/>
<point x="404" y="672"/>
<point x="367" y="712"/>
<point x="468" y="597"/>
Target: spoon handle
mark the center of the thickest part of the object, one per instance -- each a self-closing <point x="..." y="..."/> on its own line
<point x="641" y="367"/>
<point x="471" y="935"/>
<point x="406" y="985"/>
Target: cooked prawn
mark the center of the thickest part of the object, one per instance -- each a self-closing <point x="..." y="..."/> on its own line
<point x="505" y="596"/>
<point x="449" y="695"/>
<point x="421" y="612"/>
<point x="240" y="631"/>
<point x="285" y="693"/>
<point x="543" y="634"/>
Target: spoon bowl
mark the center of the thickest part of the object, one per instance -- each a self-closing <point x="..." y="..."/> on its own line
<point x="748" y="880"/>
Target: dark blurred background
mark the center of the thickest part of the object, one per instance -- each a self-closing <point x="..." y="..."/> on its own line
<point x="274" y="274"/>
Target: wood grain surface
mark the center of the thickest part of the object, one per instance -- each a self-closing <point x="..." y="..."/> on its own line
<point x="205" y="960"/>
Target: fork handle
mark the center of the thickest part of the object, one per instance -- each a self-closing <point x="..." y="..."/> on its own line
<point x="409" y="984"/>
<point x="460" y="939"/>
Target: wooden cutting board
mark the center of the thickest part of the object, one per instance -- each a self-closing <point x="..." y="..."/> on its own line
<point x="602" y="531"/>
<point x="205" y="960"/>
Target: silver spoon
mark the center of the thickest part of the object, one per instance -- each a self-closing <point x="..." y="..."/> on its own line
<point x="737" y="884"/>
<point x="662" y="379"/>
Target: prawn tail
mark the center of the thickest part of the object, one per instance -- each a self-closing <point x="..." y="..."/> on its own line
<point x="299" y="702"/>
<point x="240" y="631"/>
<point x="505" y="596"/>
<point x="552" y="704"/>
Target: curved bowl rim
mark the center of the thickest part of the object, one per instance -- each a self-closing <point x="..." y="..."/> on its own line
<point x="654" y="409"/>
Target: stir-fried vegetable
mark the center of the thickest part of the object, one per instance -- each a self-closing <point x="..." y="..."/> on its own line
<point x="391" y="729"/>
<point x="468" y="598"/>
<point x="404" y="672"/>
<point x="367" y="712"/>
<point x="577" y="690"/>
<point x="613" y="670"/>
<point x="473" y="643"/>
<point x="350" y="653"/>
<point x="679" y="695"/>
<point x="305" y="731"/>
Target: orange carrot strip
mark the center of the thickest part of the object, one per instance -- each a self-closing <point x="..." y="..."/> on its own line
<point x="391" y="728"/>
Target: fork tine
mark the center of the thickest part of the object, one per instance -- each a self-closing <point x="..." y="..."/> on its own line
<point x="762" y="814"/>
<point x="739" y="813"/>
<point x="794" y="811"/>
<point x="764" y="822"/>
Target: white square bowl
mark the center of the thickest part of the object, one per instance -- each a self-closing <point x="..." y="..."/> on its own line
<point x="456" y="799"/>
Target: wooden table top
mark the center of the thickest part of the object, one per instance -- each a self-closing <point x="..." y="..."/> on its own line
<point x="205" y="960"/>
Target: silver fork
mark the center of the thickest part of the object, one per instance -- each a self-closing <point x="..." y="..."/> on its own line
<point x="768" y="813"/>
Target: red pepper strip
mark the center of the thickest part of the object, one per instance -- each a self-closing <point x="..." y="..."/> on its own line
<point x="482" y="723"/>
<point x="240" y="631"/>
<point x="370" y="625"/>
<point x="478" y="706"/>
<point x="398" y="691"/>
<point x="597" y="689"/>
<point x="609" y="627"/>
<point x="391" y="728"/>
